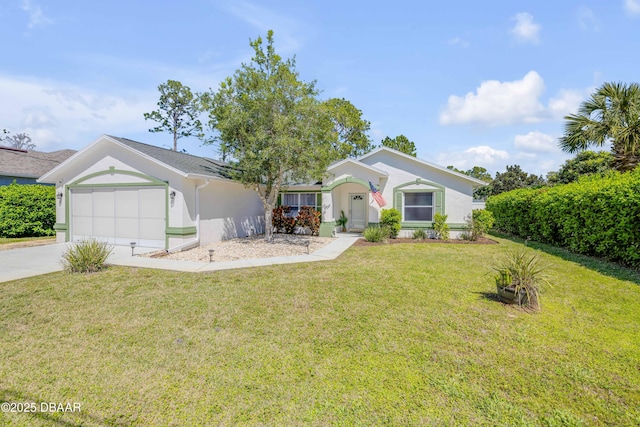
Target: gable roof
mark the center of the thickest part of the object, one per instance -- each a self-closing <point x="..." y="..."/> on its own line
<point x="358" y="163"/>
<point x="184" y="164"/>
<point x="29" y="164"/>
<point x="476" y="182"/>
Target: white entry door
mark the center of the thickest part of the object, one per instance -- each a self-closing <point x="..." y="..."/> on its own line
<point x="358" y="211"/>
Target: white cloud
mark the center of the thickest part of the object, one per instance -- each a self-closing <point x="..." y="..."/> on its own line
<point x="536" y="142"/>
<point x="565" y="103"/>
<point x="525" y="29"/>
<point x="587" y="19"/>
<point x="457" y="41"/>
<point x="482" y="155"/>
<point x="36" y="15"/>
<point x="632" y="6"/>
<point x="498" y="103"/>
<point x="58" y="115"/>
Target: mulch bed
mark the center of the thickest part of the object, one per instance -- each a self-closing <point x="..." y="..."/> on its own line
<point x="481" y="241"/>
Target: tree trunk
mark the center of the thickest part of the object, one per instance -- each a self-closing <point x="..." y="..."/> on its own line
<point x="268" y="229"/>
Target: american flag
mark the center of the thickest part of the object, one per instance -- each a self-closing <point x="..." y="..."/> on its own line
<point x="377" y="196"/>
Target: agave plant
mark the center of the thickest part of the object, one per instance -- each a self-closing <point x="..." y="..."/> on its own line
<point x="519" y="277"/>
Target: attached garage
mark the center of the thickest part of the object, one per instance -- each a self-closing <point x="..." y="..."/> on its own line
<point x="121" y="191"/>
<point x="119" y="215"/>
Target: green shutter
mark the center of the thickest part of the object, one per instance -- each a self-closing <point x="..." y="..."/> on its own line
<point x="279" y="203"/>
<point x="439" y="208"/>
<point x="397" y="203"/>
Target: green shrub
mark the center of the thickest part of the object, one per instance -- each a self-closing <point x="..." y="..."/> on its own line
<point x="597" y="215"/>
<point x="373" y="233"/>
<point x="309" y="217"/>
<point x="27" y="210"/>
<point x="440" y="226"/>
<point x="87" y="256"/>
<point x="480" y="221"/>
<point x="390" y="218"/>
<point x="419" y="234"/>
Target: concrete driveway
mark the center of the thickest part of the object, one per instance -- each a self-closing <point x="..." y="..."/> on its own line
<point x="27" y="262"/>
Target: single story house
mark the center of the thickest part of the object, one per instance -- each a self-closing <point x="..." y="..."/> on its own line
<point x="25" y="167"/>
<point x="416" y="188"/>
<point x="124" y="191"/>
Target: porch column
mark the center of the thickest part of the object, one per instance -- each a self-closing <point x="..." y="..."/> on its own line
<point x="328" y="224"/>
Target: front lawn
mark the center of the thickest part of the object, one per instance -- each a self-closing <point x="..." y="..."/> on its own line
<point x="10" y="240"/>
<point x="384" y="335"/>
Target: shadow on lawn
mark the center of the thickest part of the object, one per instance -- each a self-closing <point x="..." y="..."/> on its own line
<point x="602" y="266"/>
<point x="63" y="419"/>
<point x="489" y="296"/>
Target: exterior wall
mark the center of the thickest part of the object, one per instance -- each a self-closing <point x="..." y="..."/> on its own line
<point x="229" y="210"/>
<point x="454" y="194"/>
<point x="341" y="202"/>
<point x="458" y="193"/>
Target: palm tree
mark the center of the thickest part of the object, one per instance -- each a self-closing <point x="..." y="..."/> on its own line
<point x="612" y="114"/>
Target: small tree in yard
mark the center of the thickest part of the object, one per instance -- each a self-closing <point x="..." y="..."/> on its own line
<point x="271" y="127"/>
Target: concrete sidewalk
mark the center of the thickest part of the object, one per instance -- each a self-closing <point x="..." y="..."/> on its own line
<point x="34" y="261"/>
<point x="328" y="252"/>
<point x="27" y="262"/>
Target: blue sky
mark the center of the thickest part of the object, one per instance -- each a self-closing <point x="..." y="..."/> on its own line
<point x="471" y="83"/>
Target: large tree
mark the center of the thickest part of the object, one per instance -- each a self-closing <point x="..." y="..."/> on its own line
<point x="177" y="113"/>
<point x="271" y="126"/>
<point x="610" y="115"/>
<point x="584" y="163"/>
<point x="400" y="143"/>
<point x="352" y="139"/>
<point x="514" y="177"/>
<point x="21" y="141"/>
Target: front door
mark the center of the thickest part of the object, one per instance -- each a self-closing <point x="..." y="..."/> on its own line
<point x="358" y="211"/>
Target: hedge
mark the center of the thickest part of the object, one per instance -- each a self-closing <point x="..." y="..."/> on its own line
<point x="27" y="210"/>
<point x="596" y="215"/>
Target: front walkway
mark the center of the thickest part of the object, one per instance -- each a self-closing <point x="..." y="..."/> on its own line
<point x="27" y="262"/>
<point x="328" y="252"/>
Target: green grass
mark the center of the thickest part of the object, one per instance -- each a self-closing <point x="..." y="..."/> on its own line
<point x="384" y="335"/>
<point x="7" y="240"/>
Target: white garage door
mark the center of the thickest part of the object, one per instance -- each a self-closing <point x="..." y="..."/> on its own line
<point x="119" y="215"/>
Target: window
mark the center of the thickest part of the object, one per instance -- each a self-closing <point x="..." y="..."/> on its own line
<point x="418" y="207"/>
<point x="297" y="200"/>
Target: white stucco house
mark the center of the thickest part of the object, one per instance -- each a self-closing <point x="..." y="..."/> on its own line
<point x="123" y="191"/>
<point x="416" y="188"/>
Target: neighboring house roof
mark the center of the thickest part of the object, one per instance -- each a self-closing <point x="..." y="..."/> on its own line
<point x="184" y="164"/>
<point x="30" y="164"/>
<point x="476" y="182"/>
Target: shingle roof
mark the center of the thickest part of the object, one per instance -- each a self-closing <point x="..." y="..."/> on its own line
<point x="183" y="162"/>
<point x="30" y="164"/>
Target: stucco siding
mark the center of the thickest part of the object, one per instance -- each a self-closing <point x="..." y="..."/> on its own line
<point x="229" y="210"/>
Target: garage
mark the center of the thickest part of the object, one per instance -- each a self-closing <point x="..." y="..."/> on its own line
<point x="119" y="215"/>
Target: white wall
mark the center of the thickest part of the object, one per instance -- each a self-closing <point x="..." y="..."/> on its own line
<point x="229" y="210"/>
